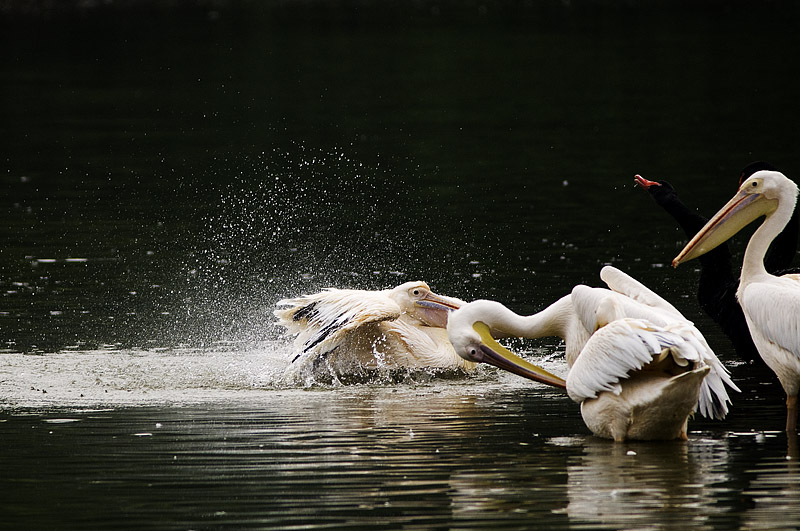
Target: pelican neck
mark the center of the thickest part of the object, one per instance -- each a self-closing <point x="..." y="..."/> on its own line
<point x="753" y="261"/>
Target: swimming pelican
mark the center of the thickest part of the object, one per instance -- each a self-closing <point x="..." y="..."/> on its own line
<point x="771" y="303"/>
<point x="718" y="283"/>
<point x="354" y="329"/>
<point x="637" y="366"/>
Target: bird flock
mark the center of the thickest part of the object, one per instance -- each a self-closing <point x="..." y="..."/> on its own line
<point x="637" y="367"/>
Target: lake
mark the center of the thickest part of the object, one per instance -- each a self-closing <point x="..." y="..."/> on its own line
<point x="171" y="170"/>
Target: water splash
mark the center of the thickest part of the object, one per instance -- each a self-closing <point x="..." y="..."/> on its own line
<point x="294" y="221"/>
<point x="182" y="319"/>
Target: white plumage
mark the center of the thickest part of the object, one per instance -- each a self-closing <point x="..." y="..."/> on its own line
<point x="637" y="366"/>
<point x="623" y="346"/>
<point x="771" y="304"/>
<point x="345" y="330"/>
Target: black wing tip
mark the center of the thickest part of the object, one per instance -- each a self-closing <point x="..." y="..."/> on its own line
<point x="323" y="334"/>
<point x="306" y="312"/>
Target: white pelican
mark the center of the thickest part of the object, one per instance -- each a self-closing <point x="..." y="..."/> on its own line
<point x="637" y="366"/>
<point x="771" y="304"/>
<point x="350" y="330"/>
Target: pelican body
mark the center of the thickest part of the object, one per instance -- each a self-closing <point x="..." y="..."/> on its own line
<point x="656" y="387"/>
<point x="638" y="368"/>
<point x="348" y="330"/>
<point x="771" y="303"/>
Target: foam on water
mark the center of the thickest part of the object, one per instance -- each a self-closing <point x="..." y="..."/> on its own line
<point x="175" y="377"/>
<point x="130" y="377"/>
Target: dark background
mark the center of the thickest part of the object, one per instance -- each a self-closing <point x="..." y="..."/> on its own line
<point x="171" y="169"/>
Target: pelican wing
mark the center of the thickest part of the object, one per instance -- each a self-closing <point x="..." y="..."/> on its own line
<point x="625" y="284"/>
<point x="714" y="400"/>
<point x="586" y="301"/>
<point x="627" y="345"/>
<point x="611" y="353"/>
<point x="596" y="307"/>
<point x="773" y="308"/>
<point x="320" y="321"/>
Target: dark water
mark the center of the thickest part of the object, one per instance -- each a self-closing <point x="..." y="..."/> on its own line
<point x="170" y="172"/>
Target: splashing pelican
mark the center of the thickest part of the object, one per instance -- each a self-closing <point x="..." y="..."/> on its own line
<point x="638" y="368"/>
<point x="348" y="329"/>
<point x="771" y="303"/>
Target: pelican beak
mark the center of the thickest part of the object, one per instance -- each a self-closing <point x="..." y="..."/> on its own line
<point x="737" y="213"/>
<point x="494" y="353"/>
<point x="435" y="309"/>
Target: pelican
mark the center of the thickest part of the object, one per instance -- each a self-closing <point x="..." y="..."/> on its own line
<point x="638" y="368"/>
<point x="402" y="327"/>
<point x="717" y="285"/>
<point x="771" y="303"/>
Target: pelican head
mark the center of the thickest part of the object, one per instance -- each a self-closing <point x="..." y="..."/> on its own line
<point x="758" y="196"/>
<point x="471" y="337"/>
<point x="418" y="301"/>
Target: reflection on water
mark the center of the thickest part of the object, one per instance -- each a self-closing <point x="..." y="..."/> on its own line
<point x="363" y="456"/>
<point x="654" y="486"/>
<point x="775" y="494"/>
<point x="686" y="485"/>
<point x="486" y="451"/>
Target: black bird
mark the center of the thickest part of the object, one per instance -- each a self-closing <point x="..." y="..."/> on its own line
<point x="716" y="291"/>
